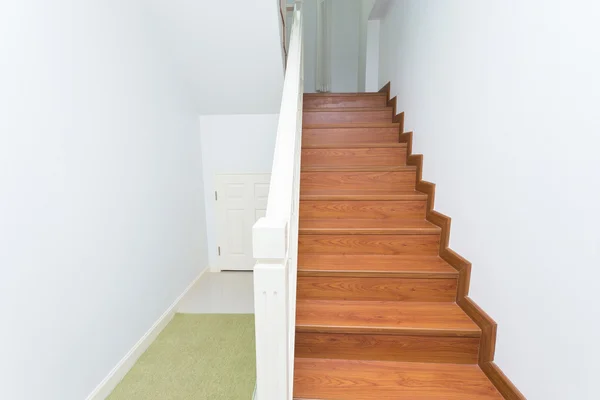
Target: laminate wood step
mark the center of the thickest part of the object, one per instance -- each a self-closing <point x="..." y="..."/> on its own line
<point x="404" y="266"/>
<point x="360" y="168"/>
<point x="367" y="227"/>
<point x="363" y="209"/>
<point x="417" y="245"/>
<point x="355" y="125"/>
<point x="360" y="194"/>
<point x="351" y="133"/>
<point x="323" y="379"/>
<point x="384" y="155"/>
<point x="384" y="317"/>
<point x="346" y="115"/>
<point x="370" y="288"/>
<point x="354" y="178"/>
<point x="343" y="100"/>
<point x="367" y="145"/>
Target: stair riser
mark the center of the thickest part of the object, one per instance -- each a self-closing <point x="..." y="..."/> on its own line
<point x="344" y="101"/>
<point x="369" y="244"/>
<point x="343" y="117"/>
<point x="425" y="349"/>
<point x="376" y="289"/>
<point x="349" y="135"/>
<point x="348" y="180"/>
<point x="355" y="157"/>
<point x="363" y="209"/>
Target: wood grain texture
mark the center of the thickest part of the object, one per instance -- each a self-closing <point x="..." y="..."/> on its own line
<point x="377" y="380"/>
<point x="350" y="100"/>
<point x="350" y="134"/>
<point x="367" y="227"/>
<point x="390" y="317"/>
<point x="375" y="156"/>
<point x="376" y="289"/>
<point x="405" y="266"/>
<point x="369" y="244"/>
<point x="487" y="325"/>
<point x="372" y="286"/>
<point x="358" y="194"/>
<point x="501" y="382"/>
<point x="355" y="146"/>
<point x="353" y="180"/>
<point x="346" y="115"/>
<point x="429" y="349"/>
<point x="362" y="209"/>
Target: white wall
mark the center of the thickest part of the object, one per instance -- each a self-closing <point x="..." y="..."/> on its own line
<point x="503" y="98"/>
<point x="233" y="144"/>
<point x="345" y="52"/>
<point x="309" y="10"/>
<point x="372" y="57"/>
<point x="101" y="203"/>
<point x="365" y="9"/>
<point x="345" y="29"/>
<point x="228" y="52"/>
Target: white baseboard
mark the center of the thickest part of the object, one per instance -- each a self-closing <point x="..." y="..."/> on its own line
<point x="115" y="376"/>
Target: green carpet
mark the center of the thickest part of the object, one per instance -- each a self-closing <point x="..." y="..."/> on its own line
<point x="197" y="356"/>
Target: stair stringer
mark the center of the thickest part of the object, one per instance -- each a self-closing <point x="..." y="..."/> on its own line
<point x="487" y="325"/>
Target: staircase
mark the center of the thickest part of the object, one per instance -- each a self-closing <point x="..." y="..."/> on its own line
<point x="379" y="311"/>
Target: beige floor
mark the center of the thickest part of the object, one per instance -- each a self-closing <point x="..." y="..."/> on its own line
<point x="220" y="293"/>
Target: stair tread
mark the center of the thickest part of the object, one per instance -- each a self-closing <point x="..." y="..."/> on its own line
<point x="359" y="94"/>
<point x="369" y="380"/>
<point x="348" y="109"/>
<point x="399" y="317"/>
<point x="367" y="168"/>
<point x="375" y="265"/>
<point x="333" y="194"/>
<point x="350" y="125"/>
<point x="353" y="145"/>
<point x="367" y="226"/>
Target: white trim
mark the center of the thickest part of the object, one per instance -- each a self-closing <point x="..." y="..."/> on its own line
<point x="108" y="384"/>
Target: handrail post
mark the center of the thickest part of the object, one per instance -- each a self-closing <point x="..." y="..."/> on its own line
<point x="271" y="308"/>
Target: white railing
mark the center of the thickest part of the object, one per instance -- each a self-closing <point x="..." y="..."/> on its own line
<point x="275" y="239"/>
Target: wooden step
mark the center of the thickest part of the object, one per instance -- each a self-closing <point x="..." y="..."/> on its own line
<point x="385" y="154"/>
<point x="368" y="288"/>
<point x="361" y="195"/>
<point x="350" y="133"/>
<point x="416" y="245"/>
<point x="349" y="346"/>
<point x="363" y="178"/>
<point x="385" y="330"/>
<point x="384" y="317"/>
<point x="353" y="145"/>
<point x="346" y="115"/>
<point x="367" y="227"/>
<point x="362" y="209"/>
<point x="384" y="380"/>
<point x="403" y="266"/>
<point x="344" y="100"/>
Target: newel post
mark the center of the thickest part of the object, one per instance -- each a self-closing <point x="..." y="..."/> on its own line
<point x="271" y="308"/>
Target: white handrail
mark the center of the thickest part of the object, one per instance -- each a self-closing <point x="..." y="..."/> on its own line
<point x="275" y="239"/>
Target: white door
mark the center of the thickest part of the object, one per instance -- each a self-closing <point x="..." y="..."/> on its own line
<point x="241" y="200"/>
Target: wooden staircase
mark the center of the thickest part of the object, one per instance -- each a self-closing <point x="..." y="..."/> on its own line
<point x="380" y="309"/>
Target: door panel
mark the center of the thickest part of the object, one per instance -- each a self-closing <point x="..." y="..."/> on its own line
<point x="241" y="201"/>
